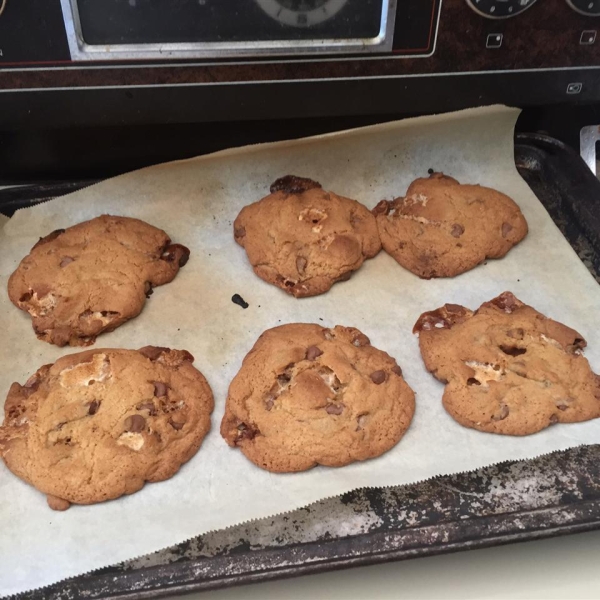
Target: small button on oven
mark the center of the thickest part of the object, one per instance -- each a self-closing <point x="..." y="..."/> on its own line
<point x="588" y="37"/>
<point x="494" y="40"/>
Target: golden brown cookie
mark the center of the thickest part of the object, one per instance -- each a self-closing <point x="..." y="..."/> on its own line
<point x="307" y="395"/>
<point x="507" y="368"/>
<point x="79" y="282"/>
<point x="98" y="424"/>
<point x="442" y="228"/>
<point x="304" y="239"/>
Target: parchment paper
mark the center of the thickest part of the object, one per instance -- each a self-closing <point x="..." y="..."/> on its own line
<point x="196" y="201"/>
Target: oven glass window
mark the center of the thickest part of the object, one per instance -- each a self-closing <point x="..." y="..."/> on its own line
<point x="108" y="22"/>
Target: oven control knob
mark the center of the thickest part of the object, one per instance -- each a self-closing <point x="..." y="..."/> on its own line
<point x="501" y="9"/>
<point x="590" y="8"/>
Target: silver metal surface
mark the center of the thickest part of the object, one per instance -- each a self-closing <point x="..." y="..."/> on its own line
<point x="588" y="136"/>
<point x="81" y="51"/>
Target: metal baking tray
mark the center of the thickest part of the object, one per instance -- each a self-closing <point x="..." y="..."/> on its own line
<point x="551" y="495"/>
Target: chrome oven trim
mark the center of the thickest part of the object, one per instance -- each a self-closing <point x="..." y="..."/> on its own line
<point x="81" y="51"/>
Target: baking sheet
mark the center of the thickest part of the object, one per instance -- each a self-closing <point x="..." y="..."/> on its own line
<point x="196" y="201"/>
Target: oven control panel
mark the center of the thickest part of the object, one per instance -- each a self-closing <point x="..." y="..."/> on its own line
<point x="378" y="35"/>
<point x="433" y="54"/>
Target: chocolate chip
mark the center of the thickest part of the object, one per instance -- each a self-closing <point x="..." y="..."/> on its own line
<point x="501" y="414"/>
<point x="396" y="369"/>
<point x="152" y="352"/>
<point x="135" y="423"/>
<point x="361" y="340"/>
<point x="175" y="425"/>
<point x="334" y="409"/>
<point x="301" y="264"/>
<point x="457" y="230"/>
<point x="290" y="184"/>
<point x="562" y="405"/>
<point x="93" y="407"/>
<point x="382" y="208"/>
<point x="378" y="377"/>
<point x="237" y="299"/>
<point x="512" y="350"/>
<point x="506" y="302"/>
<point x="312" y="352"/>
<point x="239" y="232"/>
<point x="553" y="419"/>
<point x="284" y="379"/>
<point x="245" y="432"/>
<point x="473" y="381"/>
<point x="186" y="356"/>
<point x="176" y="253"/>
<point x="578" y="344"/>
<point x="148" y="289"/>
<point x="160" y="389"/>
<point x="506" y="229"/>
<point x="433" y="320"/>
<point x="49" y="237"/>
<point x="67" y="260"/>
<point x="26" y="297"/>
<point x="455" y="309"/>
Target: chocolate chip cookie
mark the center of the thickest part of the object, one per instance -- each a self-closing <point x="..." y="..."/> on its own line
<point x="304" y="239"/>
<point x="98" y="424"/>
<point x="307" y="395"/>
<point x="442" y="228"/>
<point x="79" y="282"/>
<point x="507" y="368"/>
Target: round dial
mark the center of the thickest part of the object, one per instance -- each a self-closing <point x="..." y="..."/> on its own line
<point x="500" y="9"/>
<point x="591" y="8"/>
<point x="301" y="13"/>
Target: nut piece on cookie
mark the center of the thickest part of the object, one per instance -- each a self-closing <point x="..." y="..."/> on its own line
<point x="99" y="424"/>
<point x="442" y="228"/>
<point x="507" y="368"/>
<point x="307" y="395"/>
<point x="304" y="239"/>
<point x="79" y="282"/>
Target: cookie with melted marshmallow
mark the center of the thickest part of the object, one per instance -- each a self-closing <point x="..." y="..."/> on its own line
<point x="99" y="424"/>
<point x="507" y="368"/>
<point x="90" y="278"/>
<point x="442" y="228"/>
<point x="304" y="239"/>
<point x="307" y="395"/>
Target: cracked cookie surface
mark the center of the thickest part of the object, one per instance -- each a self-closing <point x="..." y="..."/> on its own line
<point x="98" y="424"/>
<point x="79" y="282"/>
<point x="304" y="239"/>
<point x="442" y="228"/>
<point x="307" y="395"/>
<point x="507" y="368"/>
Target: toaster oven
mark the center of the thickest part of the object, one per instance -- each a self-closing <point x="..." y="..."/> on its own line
<point x="93" y="88"/>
